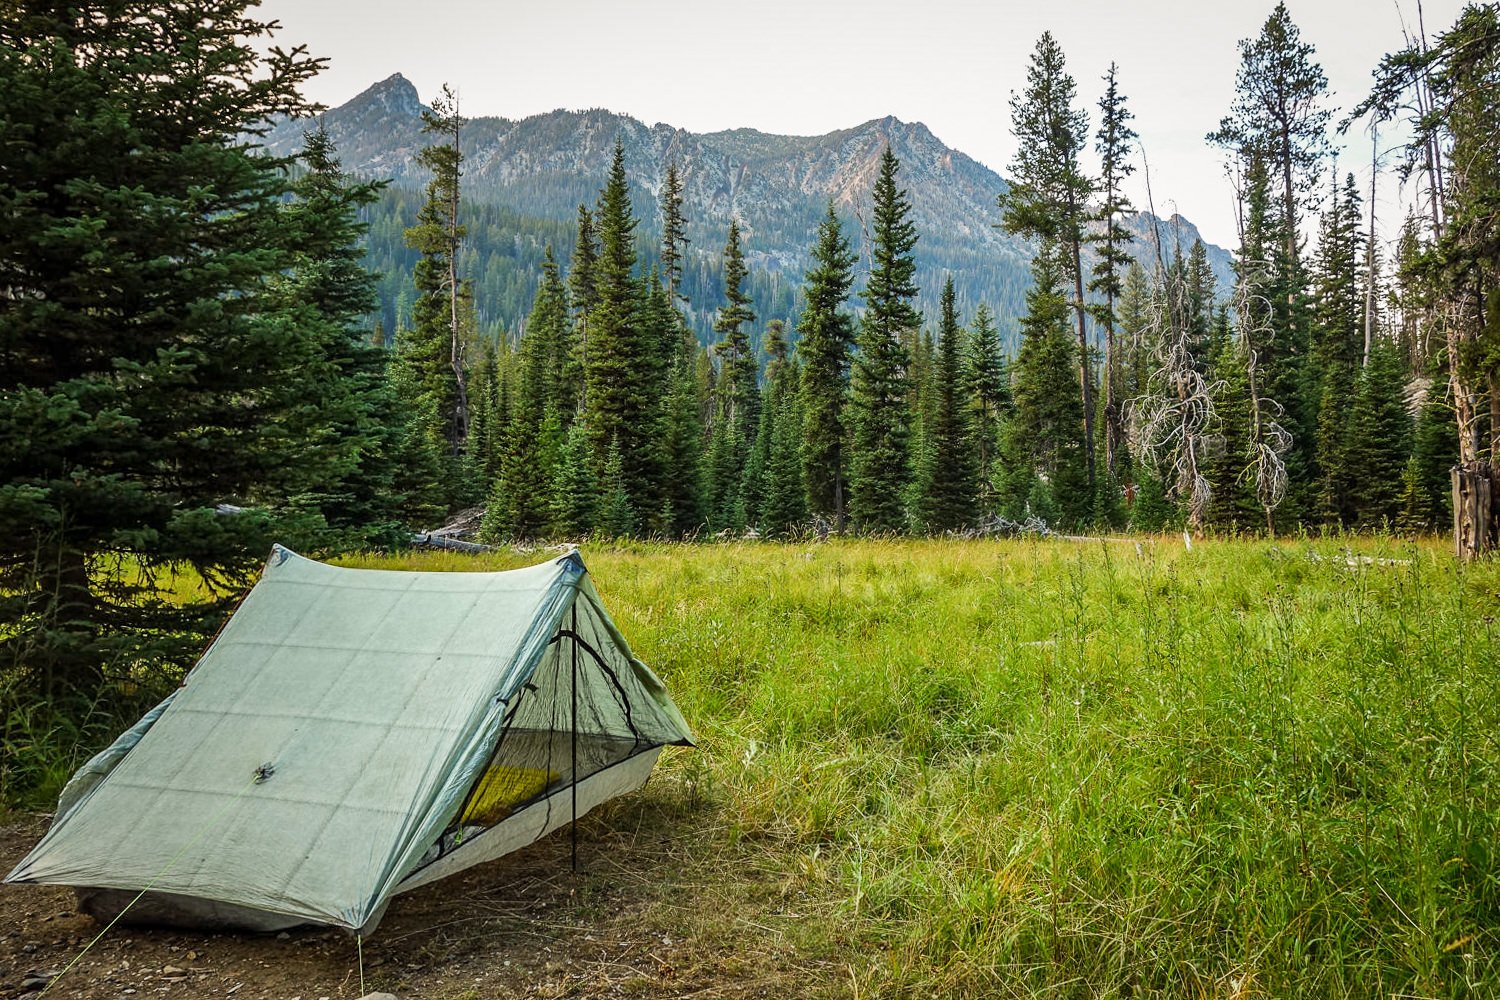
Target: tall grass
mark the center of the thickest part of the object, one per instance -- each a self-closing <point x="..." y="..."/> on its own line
<point x="1037" y="768"/>
<point x="1040" y="768"/>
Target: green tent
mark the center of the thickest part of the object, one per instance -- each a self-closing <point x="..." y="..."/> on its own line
<point x="352" y="734"/>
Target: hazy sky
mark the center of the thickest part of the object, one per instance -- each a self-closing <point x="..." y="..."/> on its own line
<point x="812" y="66"/>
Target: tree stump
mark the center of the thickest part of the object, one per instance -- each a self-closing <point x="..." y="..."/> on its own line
<point x="1475" y="527"/>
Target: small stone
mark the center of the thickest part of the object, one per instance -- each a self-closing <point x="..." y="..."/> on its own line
<point x="172" y="970"/>
<point x="36" y="980"/>
<point x="192" y="956"/>
<point x="378" y="996"/>
<point x="283" y="936"/>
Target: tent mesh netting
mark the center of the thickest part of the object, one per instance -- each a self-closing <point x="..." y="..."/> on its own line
<point x="582" y="711"/>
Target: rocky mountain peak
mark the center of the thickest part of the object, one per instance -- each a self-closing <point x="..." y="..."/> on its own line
<point x="395" y="94"/>
<point x="541" y="168"/>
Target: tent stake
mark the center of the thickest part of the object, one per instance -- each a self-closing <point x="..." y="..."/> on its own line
<point x="573" y="827"/>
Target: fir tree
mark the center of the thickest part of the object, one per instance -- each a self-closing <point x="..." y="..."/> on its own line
<point x="1136" y="332"/>
<point x="518" y="506"/>
<point x="153" y="367"/>
<point x="1337" y="349"/>
<point x="726" y="509"/>
<point x="487" y="435"/>
<point x="1279" y="115"/>
<point x="1273" y="329"/>
<point x="988" y="389"/>
<point x="758" y="464"/>
<point x="617" y="518"/>
<point x="1380" y="447"/>
<point x="1151" y="512"/>
<point x="351" y="437"/>
<point x="827" y="337"/>
<point x="1199" y="284"/>
<point x="1232" y="506"/>
<point x="583" y="291"/>
<point x="738" y="372"/>
<point x="575" y="489"/>
<point x="880" y="466"/>
<point x="674" y="238"/>
<point x="785" y="504"/>
<point x="623" y="356"/>
<point x="435" y="348"/>
<point x="1434" y="453"/>
<point x="1113" y="142"/>
<point x="950" y="473"/>
<point x="1049" y="192"/>
<point x="682" y="483"/>
<point x="1044" y="437"/>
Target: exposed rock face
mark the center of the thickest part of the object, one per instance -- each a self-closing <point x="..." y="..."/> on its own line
<point x="544" y="166"/>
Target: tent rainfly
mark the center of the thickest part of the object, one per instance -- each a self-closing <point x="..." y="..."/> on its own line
<point x="352" y="734"/>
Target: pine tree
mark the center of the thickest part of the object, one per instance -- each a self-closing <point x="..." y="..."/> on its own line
<point x="575" y="489"/>
<point x="988" y="390"/>
<point x="436" y="348"/>
<point x="683" y="473"/>
<point x="1434" y="453"/>
<point x="1044" y="437"/>
<point x="1232" y="507"/>
<point x="880" y="463"/>
<point x="1380" y="445"/>
<point x="617" y="517"/>
<point x="351" y="436"/>
<point x="674" y="238"/>
<point x="623" y="357"/>
<point x="1277" y="128"/>
<point x="1113" y="142"/>
<point x="1337" y="349"/>
<point x="827" y="337"/>
<point x="785" y="504"/>
<point x="1049" y="193"/>
<point x="583" y="289"/>
<point x="518" y="506"/>
<point x="950" y="474"/>
<point x="758" y="463"/>
<point x="1279" y="115"/>
<point x="738" y="371"/>
<point x="152" y="366"/>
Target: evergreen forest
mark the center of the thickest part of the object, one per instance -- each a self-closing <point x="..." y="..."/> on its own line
<point x="193" y="362"/>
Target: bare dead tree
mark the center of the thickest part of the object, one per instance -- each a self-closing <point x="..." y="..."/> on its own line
<point x="1269" y="440"/>
<point x="1172" y="425"/>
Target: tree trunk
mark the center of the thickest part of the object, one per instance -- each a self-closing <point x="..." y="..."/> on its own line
<point x="68" y="628"/>
<point x="1370" y="248"/>
<point x="839" y="517"/>
<point x="460" y="380"/>
<point x="1474" y="509"/>
<point x="1085" y="375"/>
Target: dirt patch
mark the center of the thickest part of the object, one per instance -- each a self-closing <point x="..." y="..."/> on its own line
<point x="645" y="916"/>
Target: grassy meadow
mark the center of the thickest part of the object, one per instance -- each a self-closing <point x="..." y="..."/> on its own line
<point x="1101" y="769"/>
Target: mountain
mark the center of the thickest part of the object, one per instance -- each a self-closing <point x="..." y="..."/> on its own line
<point x="524" y="180"/>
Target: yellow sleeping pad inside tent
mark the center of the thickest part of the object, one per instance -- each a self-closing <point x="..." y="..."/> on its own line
<point x="502" y="788"/>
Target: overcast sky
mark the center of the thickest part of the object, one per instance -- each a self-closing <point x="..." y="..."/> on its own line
<point x="811" y="66"/>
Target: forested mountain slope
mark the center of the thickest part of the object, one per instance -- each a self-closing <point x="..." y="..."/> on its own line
<point x="524" y="180"/>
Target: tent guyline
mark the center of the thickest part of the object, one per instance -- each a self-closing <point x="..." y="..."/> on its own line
<point x="363" y="732"/>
